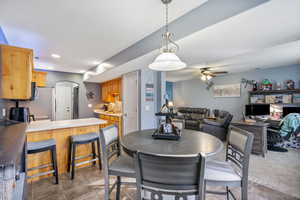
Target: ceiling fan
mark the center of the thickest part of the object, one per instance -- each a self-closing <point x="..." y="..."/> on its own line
<point x="207" y="73"/>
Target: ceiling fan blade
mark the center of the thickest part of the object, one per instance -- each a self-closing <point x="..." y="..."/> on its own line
<point x="223" y="72"/>
<point x="207" y="73"/>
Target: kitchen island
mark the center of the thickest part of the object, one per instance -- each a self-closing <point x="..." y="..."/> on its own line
<point x="61" y="132"/>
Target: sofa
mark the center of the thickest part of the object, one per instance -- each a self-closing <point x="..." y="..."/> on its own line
<point x="192" y="116"/>
<point x="219" y="126"/>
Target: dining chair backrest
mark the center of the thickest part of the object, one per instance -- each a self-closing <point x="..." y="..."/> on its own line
<point x="239" y="148"/>
<point x="110" y="146"/>
<point x="178" y="123"/>
<point x="164" y="175"/>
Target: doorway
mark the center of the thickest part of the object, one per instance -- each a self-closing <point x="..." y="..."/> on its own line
<point x="130" y="102"/>
<point x="66" y="100"/>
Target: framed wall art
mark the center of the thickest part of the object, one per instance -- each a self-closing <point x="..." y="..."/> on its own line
<point x="228" y="90"/>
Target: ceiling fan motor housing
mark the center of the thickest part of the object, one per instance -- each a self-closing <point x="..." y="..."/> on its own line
<point x="166" y="1"/>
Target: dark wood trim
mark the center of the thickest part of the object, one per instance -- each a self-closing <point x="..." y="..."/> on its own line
<point x="274" y="92"/>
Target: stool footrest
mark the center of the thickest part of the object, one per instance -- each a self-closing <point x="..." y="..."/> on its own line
<point x="85" y="162"/>
<point x="42" y="174"/>
<point x="85" y="156"/>
<point x="40" y="167"/>
<point x="91" y="157"/>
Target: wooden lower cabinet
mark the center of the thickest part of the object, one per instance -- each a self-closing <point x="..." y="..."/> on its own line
<point x="62" y="138"/>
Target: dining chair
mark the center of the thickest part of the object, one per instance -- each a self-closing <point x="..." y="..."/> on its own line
<point x="234" y="171"/>
<point x="113" y="163"/>
<point x="165" y="177"/>
<point x="179" y="123"/>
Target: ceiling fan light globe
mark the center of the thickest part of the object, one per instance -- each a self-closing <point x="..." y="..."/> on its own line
<point x="167" y="62"/>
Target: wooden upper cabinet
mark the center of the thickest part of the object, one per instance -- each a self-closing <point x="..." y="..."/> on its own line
<point x="16" y="72"/>
<point x="40" y="78"/>
<point x="111" y="90"/>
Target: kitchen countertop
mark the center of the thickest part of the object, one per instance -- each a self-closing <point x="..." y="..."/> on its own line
<point x="45" y="125"/>
<point x="12" y="138"/>
<point x="102" y="112"/>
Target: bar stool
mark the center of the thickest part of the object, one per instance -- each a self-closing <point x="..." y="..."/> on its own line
<point x="42" y="146"/>
<point x="83" y="139"/>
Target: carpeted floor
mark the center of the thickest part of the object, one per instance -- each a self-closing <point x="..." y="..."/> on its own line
<point x="278" y="171"/>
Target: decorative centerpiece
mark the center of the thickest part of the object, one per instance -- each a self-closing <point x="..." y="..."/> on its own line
<point x="167" y="129"/>
<point x="266" y="85"/>
<point x="290" y="84"/>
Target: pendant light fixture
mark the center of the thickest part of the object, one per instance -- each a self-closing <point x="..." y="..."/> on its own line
<point x="167" y="60"/>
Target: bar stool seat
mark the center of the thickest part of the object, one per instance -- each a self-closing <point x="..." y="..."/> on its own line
<point x="43" y="146"/>
<point x="85" y="138"/>
<point x="34" y="147"/>
<point x="89" y="138"/>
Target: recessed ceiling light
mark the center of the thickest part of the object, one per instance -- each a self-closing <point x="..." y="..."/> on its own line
<point x="55" y="55"/>
<point x="96" y="63"/>
<point x="48" y="68"/>
<point x="82" y="71"/>
<point x="44" y="67"/>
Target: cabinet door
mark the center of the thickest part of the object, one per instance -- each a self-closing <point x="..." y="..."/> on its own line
<point x="16" y="65"/>
<point x="34" y="76"/>
<point x="111" y="90"/>
<point x="41" y="79"/>
<point x="104" y="92"/>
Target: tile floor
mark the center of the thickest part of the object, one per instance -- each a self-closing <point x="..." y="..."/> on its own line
<point x="86" y="186"/>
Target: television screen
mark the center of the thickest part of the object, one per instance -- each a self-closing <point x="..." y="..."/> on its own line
<point x="288" y="110"/>
<point x="257" y="109"/>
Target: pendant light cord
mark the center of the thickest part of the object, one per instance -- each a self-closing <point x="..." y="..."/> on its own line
<point x="167" y="36"/>
<point x="167" y="25"/>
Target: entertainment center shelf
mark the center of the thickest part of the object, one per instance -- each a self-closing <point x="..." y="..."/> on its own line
<point x="283" y="97"/>
<point x="268" y="92"/>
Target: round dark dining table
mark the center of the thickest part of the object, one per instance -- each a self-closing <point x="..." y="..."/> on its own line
<point x="190" y="144"/>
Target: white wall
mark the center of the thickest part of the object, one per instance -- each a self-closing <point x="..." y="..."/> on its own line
<point x="193" y="92"/>
<point x="149" y="108"/>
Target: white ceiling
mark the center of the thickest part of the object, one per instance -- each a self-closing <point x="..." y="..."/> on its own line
<point x="82" y="32"/>
<point x="262" y="37"/>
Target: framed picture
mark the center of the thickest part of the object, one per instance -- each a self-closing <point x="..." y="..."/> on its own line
<point x="278" y="98"/>
<point x="149" y="93"/>
<point x="296" y="98"/>
<point x="229" y="90"/>
<point x="256" y="99"/>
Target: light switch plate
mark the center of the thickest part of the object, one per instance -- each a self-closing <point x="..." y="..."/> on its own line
<point x="3" y="112"/>
<point x="147" y="108"/>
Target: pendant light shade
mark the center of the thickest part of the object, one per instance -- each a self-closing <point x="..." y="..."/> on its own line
<point x="167" y="62"/>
